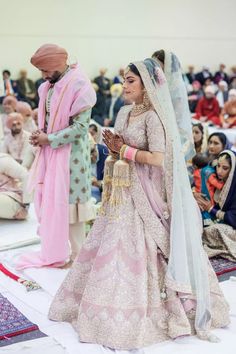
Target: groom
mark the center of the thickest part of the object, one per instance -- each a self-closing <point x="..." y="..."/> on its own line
<point x="61" y="171"/>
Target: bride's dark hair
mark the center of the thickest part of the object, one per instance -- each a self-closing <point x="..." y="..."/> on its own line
<point x="134" y="70"/>
<point x="160" y="55"/>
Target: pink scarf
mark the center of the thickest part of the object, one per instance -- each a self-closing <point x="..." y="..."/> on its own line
<point x="50" y="171"/>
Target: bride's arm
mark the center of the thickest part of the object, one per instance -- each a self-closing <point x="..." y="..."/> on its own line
<point x="150" y="158"/>
<point x="154" y="158"/>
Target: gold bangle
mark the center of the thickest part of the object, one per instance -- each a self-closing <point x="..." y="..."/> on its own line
<point x="122" y="151"/>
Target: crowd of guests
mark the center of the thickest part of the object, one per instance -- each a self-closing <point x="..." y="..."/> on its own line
<point x="212" y="172"/>
<point x="213" y="177"/>
<point x="212" y="98"/>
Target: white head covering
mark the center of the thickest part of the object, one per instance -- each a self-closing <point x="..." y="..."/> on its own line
<point x="223" y="83"/>
<point x="232" y="92"/>
<point x="179" y="98"/>
<point x="210" y="89"/>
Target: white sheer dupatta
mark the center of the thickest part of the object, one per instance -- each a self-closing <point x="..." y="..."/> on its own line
<point x="188" y="263"/>
<point x="179" y="98"/>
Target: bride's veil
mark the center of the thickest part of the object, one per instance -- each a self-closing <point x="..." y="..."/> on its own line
<point x="188" y="263"/>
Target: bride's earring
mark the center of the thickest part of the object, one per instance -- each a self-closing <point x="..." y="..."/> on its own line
<point x="146" y="101"/>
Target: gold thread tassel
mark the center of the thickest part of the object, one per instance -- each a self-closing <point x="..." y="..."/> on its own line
<point x="120" y="181"/>
<point x="107" y="180"/>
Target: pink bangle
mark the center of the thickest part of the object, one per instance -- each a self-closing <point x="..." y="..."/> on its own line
<point x="130" y="153"/>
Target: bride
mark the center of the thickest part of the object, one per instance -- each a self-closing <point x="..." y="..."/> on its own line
<point x="142" y="275"/>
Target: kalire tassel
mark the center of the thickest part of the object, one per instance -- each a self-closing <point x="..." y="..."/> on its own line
<point x="107" y="180"/>
<point x="120" y="181"/>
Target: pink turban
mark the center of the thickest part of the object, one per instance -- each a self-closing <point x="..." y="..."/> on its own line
<point x="24" y="108"/>
<point x="11" y="101"/>
<point x="49" y="57"/>
<point x="13" y="117"/>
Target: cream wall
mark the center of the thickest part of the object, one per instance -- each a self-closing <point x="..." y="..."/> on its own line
<point x="112" y="33"/>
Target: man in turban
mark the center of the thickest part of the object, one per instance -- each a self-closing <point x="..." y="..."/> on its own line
<point x="26" y="89"/>
<point x="208" y="109"/>
<point x="15" y="143"/>
<point x="113" y="105"/>
<point x="27" y="113"/>
<point x="228" y="114"/>
<point x="9" y="106"/>
<point x="60" y="174"/>
<point x="14" y="200"/>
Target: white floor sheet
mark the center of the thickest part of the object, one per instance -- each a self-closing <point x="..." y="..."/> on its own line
<point x="62" y="338"/>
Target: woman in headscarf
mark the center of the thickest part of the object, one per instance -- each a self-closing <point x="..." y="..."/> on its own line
<point x="179" y="97"/>
<point x="9" y="106"/>
<point x="217" y="142"/>
<point x="200" y="137"/>
<point x="220" y="238"/>
<point x="142" y="275"/>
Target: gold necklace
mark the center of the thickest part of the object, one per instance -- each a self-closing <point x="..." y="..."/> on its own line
<point x="138" y="109"/>
<point x="142" y="107"/>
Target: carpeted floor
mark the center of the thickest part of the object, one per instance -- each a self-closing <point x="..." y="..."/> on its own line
<point x="61" y="337"/>
<point x="22" y="338"/>
<point x="12" y="321"/>
<point x="222" y="266"/>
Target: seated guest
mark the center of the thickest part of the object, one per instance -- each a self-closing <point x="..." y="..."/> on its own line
<point x="191" y="76"/>
<point x="26" y="89"/>
<point x="220" y="238"/>
<point x="120" y="77"/>
<point x="113" y="105"/>
<point x="14" y="200"/>
<point x="35" y="116"/>
<point x="205" y="183"/>
<point x="95" y="131"/>
<point x="99" y="154"/>
<point x="232" y="80"/>
<point x="98" y="110"/>
<point x="228" y="114"/>
<point x="203" y="75"/>
<point x="221" y="75"/>
<point x="233" y="83"/>
<point x="208" y="109"/>
<point x="200" y="137"/>
<point x="222" y="93"/>
<point x="209" y="83"/>
<point x="9" y="86"/>
<point x="29" y="156"/>
<point x="37" y="84"/>
<point x="194" y="95"/>
<point x="103" y="83"/>
<point x="217" y="142"/>
<point x="15" y="143"/>
<point x="9" y="106"/>
<point x="26" y="111"/>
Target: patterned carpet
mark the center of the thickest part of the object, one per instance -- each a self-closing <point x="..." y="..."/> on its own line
<point x="22" y="338"/>
<point x="12" y="321"/>
<point x="222" y="266"/>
